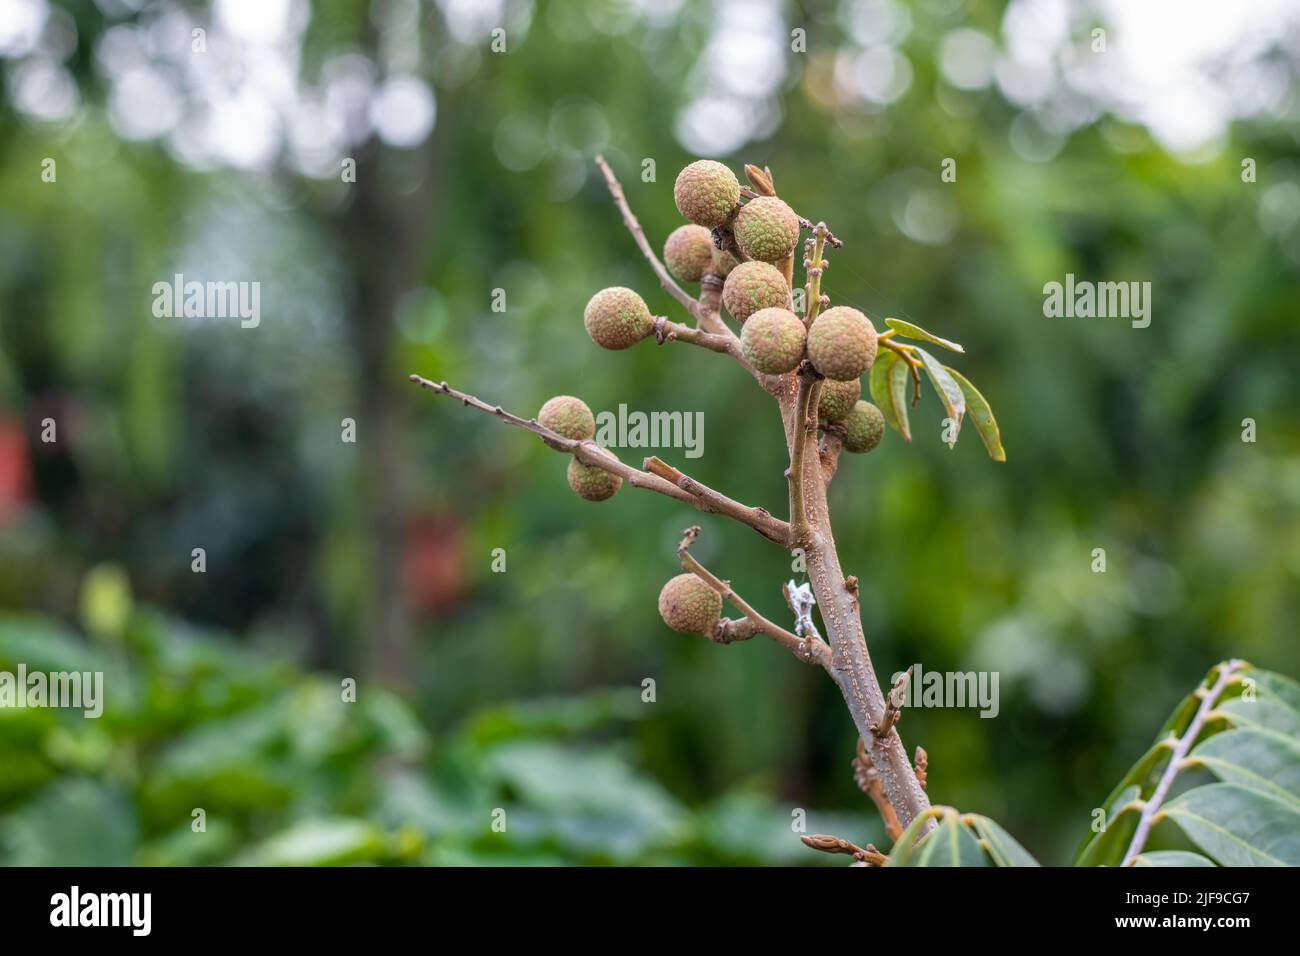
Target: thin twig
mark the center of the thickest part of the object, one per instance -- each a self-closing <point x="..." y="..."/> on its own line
<point x="710" y="303"/>
<point x="667" y="331"/>
<point x="728" y="630"/>
<point x="706" y="310"/>
<point x="833" y="844"/>
<point x="638" y="234"/>
<point x="806" y="649"/>
<point x="760" y="519"/>
<point x="1151" y="809"/>
<point x="590" y="453"/>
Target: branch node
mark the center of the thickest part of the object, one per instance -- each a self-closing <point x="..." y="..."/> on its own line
<point x="657" y="466"/>
<point x="868" y="780"/>
<point x="814" y="652"/>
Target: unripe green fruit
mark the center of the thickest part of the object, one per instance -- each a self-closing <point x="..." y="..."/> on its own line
<point x="752" y="286"/>
<point x="773" y="340"/>
<point x="617" y="318"/>
<point x="592" y="483"/>
<point x="842" y="343"/>
<point x="568" y="416"/>
<point x="706" y="193"/>
<point x="723" y="263"/>
<point x="766" y="229"/>
<point x="690" y="606"/>
<point x="863" y="428"/>
<point x="688" y="253"/>
<point x="838" y="398"/>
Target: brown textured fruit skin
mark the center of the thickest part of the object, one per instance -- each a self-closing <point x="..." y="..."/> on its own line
<point x="773" y="340"/>
<point x="688" y="253"/>
<point x="706" y="193"/>
<point x="766" y="229"/>
<point x="838" y="398"/>
<point x="863" y="428"/>
<point x="842" y="343"/>
<point x="592" y="483"/>
<point x="752" y="286"/>
<point x="568" y="416"/>
<point x="617" y="318"/>
<point x="690" y="606"/>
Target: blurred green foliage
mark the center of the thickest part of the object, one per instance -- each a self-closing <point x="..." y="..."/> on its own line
<point x="178" y="435"/>
<point x="287" y="771"/>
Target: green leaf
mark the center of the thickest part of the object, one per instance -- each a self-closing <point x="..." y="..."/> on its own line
<point x="982" y="415"/>
<point x="1264" y="712"/>
<point x="321" y="842"/>
<point x="1107" y="847"/>
<point x="906" y="842"/>
<point x="1238" y="826"/>
<point x="44" y="645"/>
<point x="888" y="385"/>
<point x="911" y="331"/>
<point x="588" y="801"/>
<point x="900" y="387"/>
<point x="1001" y="845"/>
<point x="1172" y="858"/>
<point x="73" y="822"/>
<point x="949" y="391"/>
<point x="1100" y="849"/>
<point x="1273" y="703"/>
<point x="1256" y="758"/>
<point x="951" y="844"/>
<point x="552" y="716"/>
<point x="1281" y="689"/>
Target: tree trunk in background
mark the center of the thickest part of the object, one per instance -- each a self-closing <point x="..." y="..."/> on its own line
<point x="384" y="234"/>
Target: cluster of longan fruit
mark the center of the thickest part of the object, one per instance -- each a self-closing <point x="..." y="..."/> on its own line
<point x="840" y="344"/>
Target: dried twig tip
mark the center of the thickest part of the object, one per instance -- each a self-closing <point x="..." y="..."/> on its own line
<point x="760" y="179"/>
<point x="893" y="706"/>
<point x="833" y="844"/>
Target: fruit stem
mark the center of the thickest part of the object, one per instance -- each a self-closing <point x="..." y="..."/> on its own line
<point x="814" y="266"/>
<point x="809" y="388"/>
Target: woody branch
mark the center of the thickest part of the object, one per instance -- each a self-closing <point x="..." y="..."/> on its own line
<point x="705" y="310"/>
<point x="588" y="452"/>
<point x="846" y="657"/>
<point x="807" y="648"/>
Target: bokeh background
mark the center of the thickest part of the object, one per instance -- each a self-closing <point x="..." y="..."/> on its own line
<point x="372" y="560"/>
